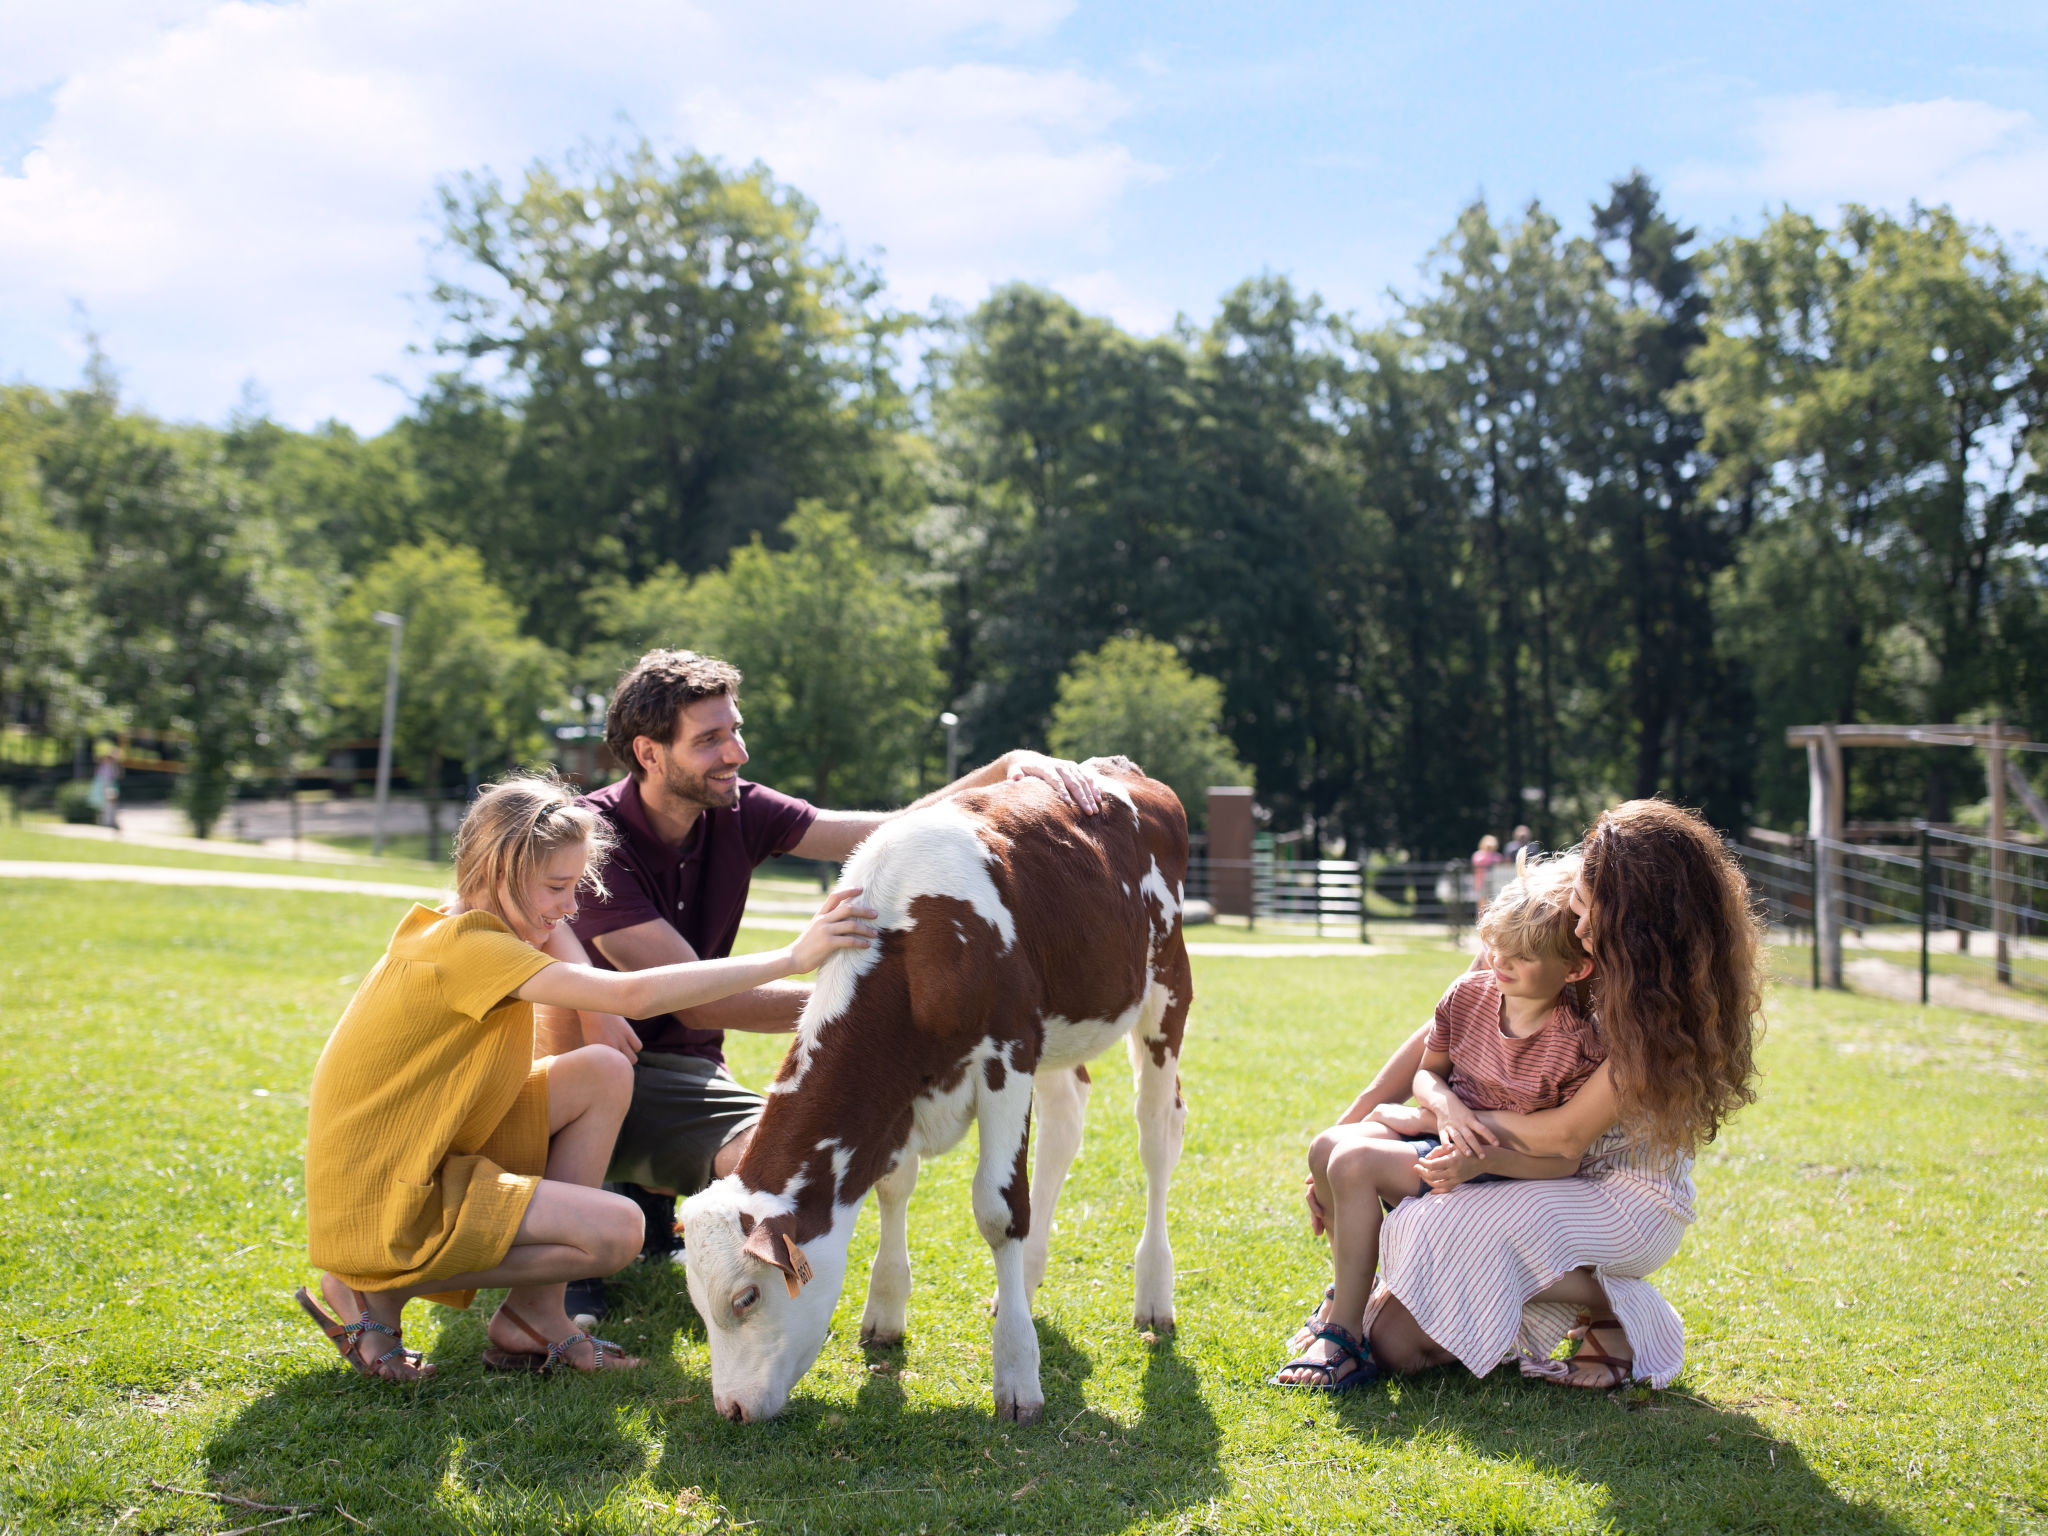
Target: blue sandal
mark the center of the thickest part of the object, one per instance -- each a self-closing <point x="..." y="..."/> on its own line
<point x="1352" y="1348"/>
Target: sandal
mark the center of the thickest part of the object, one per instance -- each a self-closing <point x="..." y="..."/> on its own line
<point x="348" y="1338"/>
<point x="1619" y="1372"/>
<point x="1305" y="1335"/>
<point x="1355" y="1350"/>
<point x="534" y="1362"/>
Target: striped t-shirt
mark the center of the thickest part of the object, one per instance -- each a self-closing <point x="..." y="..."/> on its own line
<point x="1492" y="1069"/>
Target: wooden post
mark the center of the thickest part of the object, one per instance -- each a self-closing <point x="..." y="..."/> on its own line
<point x="1824" y="823"/>
<point x="1926" y="892"/>
<point x="1230" y="849"/>
<point x="2001" y="897"/>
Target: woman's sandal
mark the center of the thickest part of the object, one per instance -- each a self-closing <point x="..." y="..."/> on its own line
<point x="348" y="1338"/>
<point x="536" y="1363"/>
<point x="1619" y="1372"/>
<point x="1350" y="1348"/>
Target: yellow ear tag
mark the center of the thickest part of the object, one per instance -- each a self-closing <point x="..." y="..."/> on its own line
<point x="797" y="1281"/>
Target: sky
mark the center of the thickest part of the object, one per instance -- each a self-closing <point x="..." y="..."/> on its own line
<point x="239" y="199"/>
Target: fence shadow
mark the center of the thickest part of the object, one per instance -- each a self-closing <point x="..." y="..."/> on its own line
<point x="1651" y="1453"/>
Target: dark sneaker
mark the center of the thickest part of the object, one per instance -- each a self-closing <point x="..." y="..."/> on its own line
<point x="586" y="1298"/>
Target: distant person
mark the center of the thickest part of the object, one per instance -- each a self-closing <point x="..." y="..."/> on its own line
<point x="1486" y="858"/>
<point x="1512" y="1034"/>
<point x="1519" y="839"/>
<point x="441" y="1157"/>
<point x="104" y="793"/>
<point x="689" y="834"/>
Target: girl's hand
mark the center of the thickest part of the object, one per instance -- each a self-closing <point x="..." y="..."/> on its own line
<point x="1448" y="1167"/>
<point x="1458" y="1127"/>
<point x="840" y="924"/>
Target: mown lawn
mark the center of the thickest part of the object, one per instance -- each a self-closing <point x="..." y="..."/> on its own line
<point x="1863" y="1293"/>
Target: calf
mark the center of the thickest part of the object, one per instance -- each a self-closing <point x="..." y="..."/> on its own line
<point x="1020" y="938"/>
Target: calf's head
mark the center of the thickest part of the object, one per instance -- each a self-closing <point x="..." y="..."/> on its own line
<point x="766" y="1301"/>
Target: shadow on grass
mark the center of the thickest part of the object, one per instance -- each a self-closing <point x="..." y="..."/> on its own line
<point x="472" y="1450"/>
<point x="1663" y="1460"/>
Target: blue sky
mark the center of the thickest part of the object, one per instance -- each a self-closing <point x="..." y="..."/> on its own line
<point x="236" y="194"/>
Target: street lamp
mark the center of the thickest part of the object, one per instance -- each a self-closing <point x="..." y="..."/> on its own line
<point x="390" y="721"/>
<point x="951" y="722"/>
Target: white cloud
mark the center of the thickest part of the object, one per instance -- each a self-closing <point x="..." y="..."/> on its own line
<point x="1989" y="163"/>
<point x="238" y="190"/>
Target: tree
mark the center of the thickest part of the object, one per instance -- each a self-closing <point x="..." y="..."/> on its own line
<point x="47" y="628"/>
<point x="685" y="360"/>
<point x="1866" y="390"/>
<point x="840" y="655"/>
<point x="470" y="687"/>
<point x="1138" y="698"/>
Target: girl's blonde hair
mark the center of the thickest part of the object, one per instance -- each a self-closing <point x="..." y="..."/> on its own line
<point x="1532" y="918"/>
<point x="513" y="827"/>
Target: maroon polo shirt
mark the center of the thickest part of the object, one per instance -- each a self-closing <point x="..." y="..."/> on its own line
<point x="699" y="889"/>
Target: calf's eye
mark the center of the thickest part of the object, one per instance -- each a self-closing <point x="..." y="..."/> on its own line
<point x="745" y="1300"/>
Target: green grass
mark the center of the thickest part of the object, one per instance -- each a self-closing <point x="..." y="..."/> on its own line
<point x="1863" y="1293"/>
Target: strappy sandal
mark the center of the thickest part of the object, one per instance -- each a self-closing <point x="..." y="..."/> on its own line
<point x="1619" y="1372"/>
<point x="348" y="1338"/>
<point x="1303" y="1336"/>
<point x="533" y="1362"/>
<point x="1351" y="1348"/>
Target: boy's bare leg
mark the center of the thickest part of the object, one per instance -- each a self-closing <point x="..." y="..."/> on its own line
<point x="1358" y="1173"/>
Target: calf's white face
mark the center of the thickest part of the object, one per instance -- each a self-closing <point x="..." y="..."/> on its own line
<point x="762" y="1338"/>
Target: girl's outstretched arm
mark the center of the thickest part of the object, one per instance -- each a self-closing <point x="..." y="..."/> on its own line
<point x="840" y="924"/>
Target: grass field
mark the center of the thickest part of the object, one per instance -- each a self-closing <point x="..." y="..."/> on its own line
<point x="1863" y="1294"/>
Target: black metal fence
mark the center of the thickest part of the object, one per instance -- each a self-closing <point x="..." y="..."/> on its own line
<point x="1337" y="896"/>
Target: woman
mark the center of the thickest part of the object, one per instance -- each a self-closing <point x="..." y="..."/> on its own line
<point x="441" y="1157"/>
<point x="1476" y="1275"/>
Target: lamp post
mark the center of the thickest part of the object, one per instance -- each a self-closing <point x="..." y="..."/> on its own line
<point x="390" y="722"/>
<point x="951" y="722"/>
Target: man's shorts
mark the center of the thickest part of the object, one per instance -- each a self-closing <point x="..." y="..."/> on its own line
<point x="684" y="1109"/>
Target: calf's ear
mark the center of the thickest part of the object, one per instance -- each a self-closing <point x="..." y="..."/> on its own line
<point x="774" y="1242"/>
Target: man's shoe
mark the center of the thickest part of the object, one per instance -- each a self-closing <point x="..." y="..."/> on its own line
<point x="586" y="1298"/>
<point x="661" y="1241"/>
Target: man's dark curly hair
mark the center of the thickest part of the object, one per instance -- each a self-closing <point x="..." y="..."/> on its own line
<point x="651" y="697"/>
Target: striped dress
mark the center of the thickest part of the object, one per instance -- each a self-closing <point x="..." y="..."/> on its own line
<point x="1466" y="1262"/>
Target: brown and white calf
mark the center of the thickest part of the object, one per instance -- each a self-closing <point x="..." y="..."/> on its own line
<point x="1020" y="938"/>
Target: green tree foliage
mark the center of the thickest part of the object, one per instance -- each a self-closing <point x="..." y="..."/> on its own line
<point x="685" y="360"/>
<point x="1867" y="392"/>
<point x="201" y="618"/>
<point x="47" y="629"/>
<point x="840" y="655"/>
<point x="470" y="687"/>
<point x="1138" y="698"/>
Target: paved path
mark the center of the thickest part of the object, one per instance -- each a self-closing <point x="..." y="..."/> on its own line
<point x="236" y="879"/>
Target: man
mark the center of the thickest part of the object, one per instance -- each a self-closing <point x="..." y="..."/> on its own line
<point x="691" y="832"/>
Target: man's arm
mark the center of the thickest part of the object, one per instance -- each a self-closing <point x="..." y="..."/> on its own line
<point x="835" y="834"/>
<point x="765" y="1010"/>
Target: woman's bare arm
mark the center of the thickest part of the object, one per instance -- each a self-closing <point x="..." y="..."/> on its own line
<point x="1566" y="1131"/>
<point x="1393" y="1082"/>
<point x="1448" y="1167"/>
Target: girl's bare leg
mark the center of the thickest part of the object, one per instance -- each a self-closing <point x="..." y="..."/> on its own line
<point x="571" y="1228"/>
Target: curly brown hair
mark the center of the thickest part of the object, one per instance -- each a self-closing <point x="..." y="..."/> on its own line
<point x="1678" y="945"/>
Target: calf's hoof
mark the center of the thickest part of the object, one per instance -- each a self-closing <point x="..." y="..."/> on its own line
<point x="875" y="1336"/>
<point x="1019" y="1410"/>
<point x="1158" y="1323"/>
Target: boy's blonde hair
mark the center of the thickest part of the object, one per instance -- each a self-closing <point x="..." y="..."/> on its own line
<point x="1532" y="917"/>
<point x="513" y="827"/>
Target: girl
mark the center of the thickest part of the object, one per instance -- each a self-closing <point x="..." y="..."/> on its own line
<point x="440" y="1156"/>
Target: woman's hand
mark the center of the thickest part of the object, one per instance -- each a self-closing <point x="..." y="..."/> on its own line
<point x="1457" y="1126"/>
<point x="840" y="924"/>
<point x="1448" y="1167"/>
<point x="1075" y="787"/>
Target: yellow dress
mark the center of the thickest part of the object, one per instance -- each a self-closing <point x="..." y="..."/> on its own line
<point x="428" y="1126"/>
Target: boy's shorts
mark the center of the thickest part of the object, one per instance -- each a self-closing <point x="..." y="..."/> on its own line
<point x="1424" y="1145"/>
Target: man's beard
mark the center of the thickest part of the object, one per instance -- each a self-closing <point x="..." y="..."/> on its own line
<point x="695" y="789"/>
